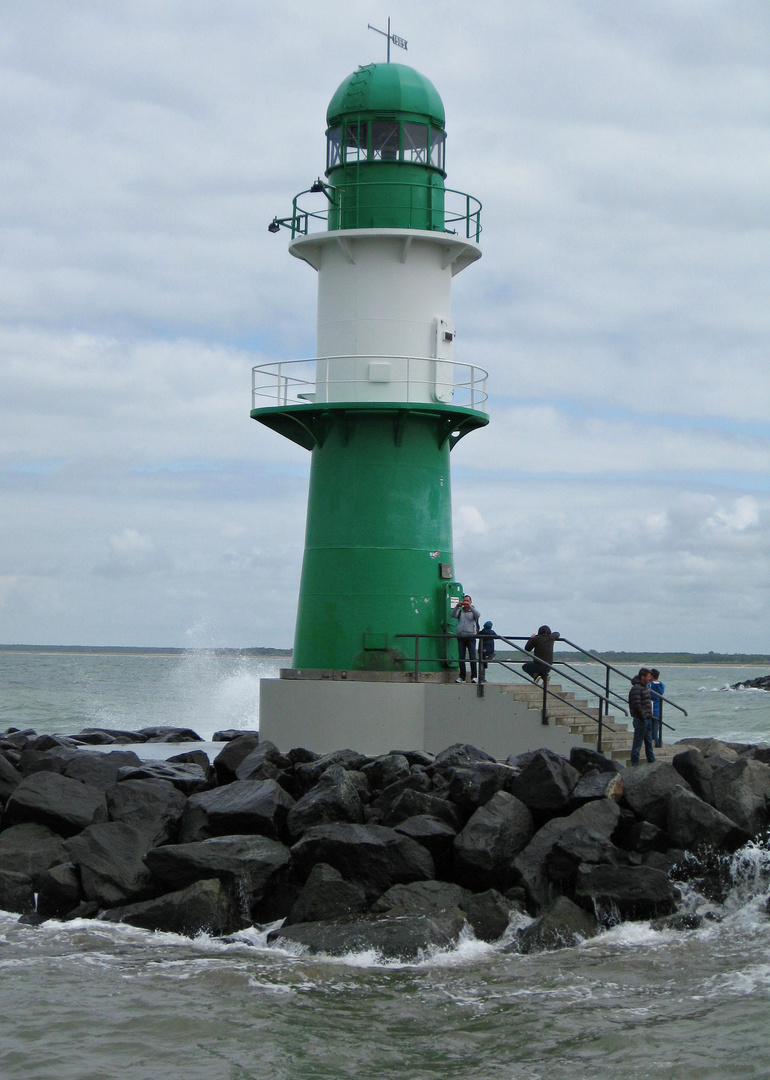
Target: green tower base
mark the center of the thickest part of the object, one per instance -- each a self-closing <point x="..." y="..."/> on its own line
<point x="378" y="544"/>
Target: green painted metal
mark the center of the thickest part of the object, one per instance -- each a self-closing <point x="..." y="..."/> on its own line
<point x="385" y="151"/>
<point x="385" y="88"/>
<point x="378" y="530"/>
<point x="379" y="526"/>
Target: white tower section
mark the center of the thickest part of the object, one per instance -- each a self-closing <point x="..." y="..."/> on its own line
<point x="385" y="330"/>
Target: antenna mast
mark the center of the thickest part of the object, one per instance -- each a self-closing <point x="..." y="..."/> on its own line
<point x="391" y="37"/>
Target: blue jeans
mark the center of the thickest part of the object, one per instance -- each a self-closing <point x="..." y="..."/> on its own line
<point x="642" y="734"/>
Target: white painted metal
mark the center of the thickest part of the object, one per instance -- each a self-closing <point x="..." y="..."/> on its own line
<point x="293" y="382"/>
<point x="384" y="293"/>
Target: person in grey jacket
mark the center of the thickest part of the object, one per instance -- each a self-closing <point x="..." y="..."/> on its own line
<point x="467" y="628"/>
<point x="640" y="707"/>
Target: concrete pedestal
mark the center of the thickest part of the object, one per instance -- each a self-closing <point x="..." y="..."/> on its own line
<point x="377" y="716"/>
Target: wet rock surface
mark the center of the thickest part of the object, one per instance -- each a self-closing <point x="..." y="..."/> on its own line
<point x="400" y="854"/>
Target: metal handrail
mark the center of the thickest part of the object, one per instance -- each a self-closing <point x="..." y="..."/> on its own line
<point x="546" y="692"/>
<point x="629" y="678"/>
<point x="282" y="387"/>
<point x="301" y="220"/>
<point x="562" y="663"/>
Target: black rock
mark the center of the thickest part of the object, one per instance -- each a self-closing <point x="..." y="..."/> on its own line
<point x="188" y="779"/>
<point x="580" y="845"/>
<point x="227" y="760"/>
<point x="169" y="734"/>
<point x="247" y="806"/>
<point x="10" y="778"/>
<point x="692" y="823"/>
<point x="472" y="786"/>
<point x="100" y="770"/>
<point x="421" y="897"/>
<point x="601" y="815"/>
<point x="386" y="770"/>
<point x="263" y="762"/>
<point x="416" y="781"/>
<point x="31" y="849"/>
<point x="309" y="773"/>
<point x="58" y="891"/>
<point x="115" y="735"/>
<point x="228" y="734"/>
<point x="460" y="755"/>
<point x="405" y="937"/>
<point x="560" y="926"/>
<point x="485" y="850"/>
<point x="697" y="771"/>
<point x="762" y="682"/>
<point x="585" y="760"/>
<point x="252" y="864"/>
<point x="545" y="781"/>
<point x="647" y="789"/>
<point x="411" y="803"/>
<point x="435" y="835"/>
<point x="109" y="858"/>
<point x="371" y="855"/>
<point x="488" y="913"/>
<point x="741" y="791"/>
<point x="326" y="896"/>
<point x="67" y="806"/>
<point x="625" y="892"/>
<point x="203" y="907"/>
<point x="17" y="892"/>
<point x="153" y="807"/>
<point x="597" y="785"/>
<point x="334" y="798"/>
<point x="196" y="757"/>
<point x="52" y="759"/>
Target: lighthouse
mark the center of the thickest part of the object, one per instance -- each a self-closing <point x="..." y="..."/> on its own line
<point x="379" y="408"/>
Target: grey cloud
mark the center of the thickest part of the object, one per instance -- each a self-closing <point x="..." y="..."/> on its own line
<point x="620" y="151"/>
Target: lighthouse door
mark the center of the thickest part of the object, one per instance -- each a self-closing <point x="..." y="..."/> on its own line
<point x="444" y="353"/>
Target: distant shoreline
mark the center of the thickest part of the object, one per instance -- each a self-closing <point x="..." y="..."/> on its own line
<point x="659" y="659"/>
<point x="137" y="650"/>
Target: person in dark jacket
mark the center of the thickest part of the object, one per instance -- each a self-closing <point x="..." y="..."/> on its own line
<point x="640" y="707"/>
<point x="487" y="643"/>
<point x="541" y="644"/>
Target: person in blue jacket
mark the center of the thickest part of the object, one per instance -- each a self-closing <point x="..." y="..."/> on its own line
<point x="487" y="643"/>
<point x="657" y="689"/>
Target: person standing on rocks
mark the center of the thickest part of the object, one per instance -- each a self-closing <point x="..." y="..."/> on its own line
<point x="467" y="628"/>
<point x="657" y="689"/>
<point x="541" y="644"/>
<point x="640" y="707"/>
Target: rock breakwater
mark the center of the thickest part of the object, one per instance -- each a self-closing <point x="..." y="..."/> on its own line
<point x="395" y="854"/>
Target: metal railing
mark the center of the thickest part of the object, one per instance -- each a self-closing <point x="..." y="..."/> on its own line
<point x="460" y="213"/>
<point x="604" y="694"/>
<point x="628" y="678"/>
<point x="415" y="379"/>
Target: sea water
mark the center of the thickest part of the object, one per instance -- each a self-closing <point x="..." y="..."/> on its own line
<point x="93" y="1001"/>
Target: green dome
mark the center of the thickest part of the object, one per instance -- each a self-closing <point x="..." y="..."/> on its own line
<point x="386" y="88"/>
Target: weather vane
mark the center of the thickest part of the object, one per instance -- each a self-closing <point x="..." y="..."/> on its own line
<point x="391" y="37"/>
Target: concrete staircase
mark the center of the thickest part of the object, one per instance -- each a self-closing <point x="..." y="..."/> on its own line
<point x="616" y="744"/>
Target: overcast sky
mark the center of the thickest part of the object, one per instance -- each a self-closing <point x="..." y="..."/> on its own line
<point x="621" y="151"/>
